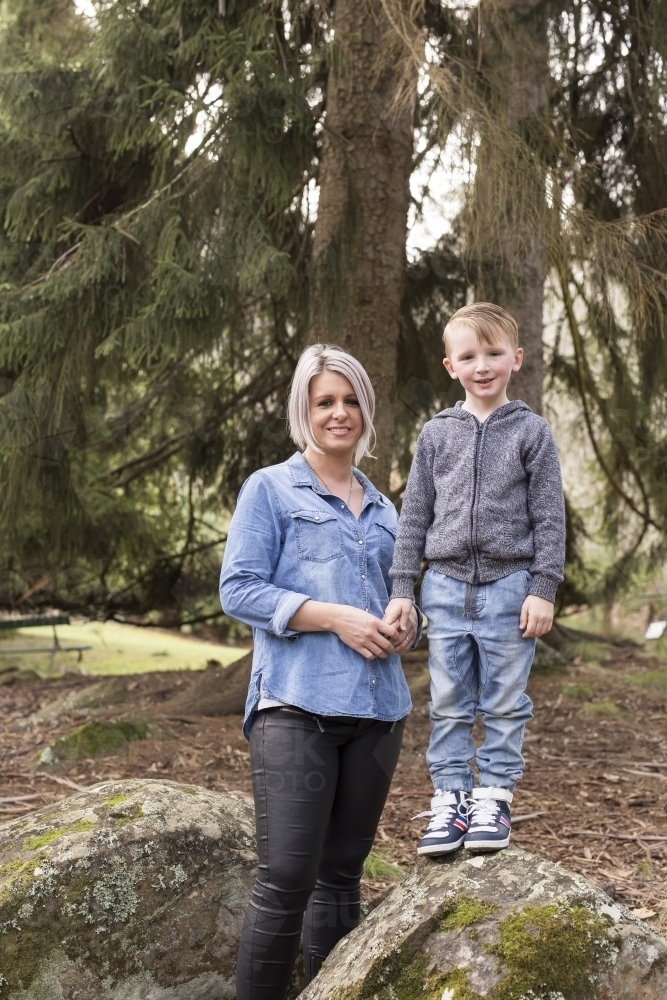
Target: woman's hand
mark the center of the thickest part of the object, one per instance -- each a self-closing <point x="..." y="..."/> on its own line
<point x="359" y="630"/>
<point x="365" y="633"/>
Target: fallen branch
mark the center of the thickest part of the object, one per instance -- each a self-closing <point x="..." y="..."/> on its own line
<point x="61" y="781"/>
<point x="26" y="798"/>
<point x="613" y="836"/>
<point x="645" y="774"/>
<point x="527" y="816"/>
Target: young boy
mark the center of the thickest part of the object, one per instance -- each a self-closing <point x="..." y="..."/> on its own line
<point x="484" y="504"/>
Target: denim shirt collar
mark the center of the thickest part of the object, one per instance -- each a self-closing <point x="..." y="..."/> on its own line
<point x="301" y="474"/>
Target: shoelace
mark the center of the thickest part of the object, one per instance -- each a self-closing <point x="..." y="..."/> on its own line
<point x="483" y="812"/>
<point x="443" y="814"/>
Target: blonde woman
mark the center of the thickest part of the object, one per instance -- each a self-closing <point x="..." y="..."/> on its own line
<point x="307" y="566"/>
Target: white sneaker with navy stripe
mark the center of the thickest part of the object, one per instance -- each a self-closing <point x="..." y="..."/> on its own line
<point x="490" y="821"/>
<point x="448" y="825"/>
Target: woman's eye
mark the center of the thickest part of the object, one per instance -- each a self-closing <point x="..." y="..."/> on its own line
<point x="352" y="402"/>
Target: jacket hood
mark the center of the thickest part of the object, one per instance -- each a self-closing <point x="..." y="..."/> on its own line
<point x="459" y="413"/>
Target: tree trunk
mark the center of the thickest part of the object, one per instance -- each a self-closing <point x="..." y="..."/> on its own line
<point x="360" y="234"/>
<point x="510" y="191"/>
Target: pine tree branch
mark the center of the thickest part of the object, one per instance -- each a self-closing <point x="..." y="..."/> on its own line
<point x="645" y="515"/>
<point x="176" y="556"/>
<point x="56" y="266"/>
<point x="170" y="446"/>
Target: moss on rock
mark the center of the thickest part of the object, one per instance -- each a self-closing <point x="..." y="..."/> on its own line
<point x="133" y="882"/>
<point x="553" y="949"/>
<point x="464" y="912"/>
<point x="508" y="926"/>
<point x="42" y="839"/>
<point x="99" y="738"/>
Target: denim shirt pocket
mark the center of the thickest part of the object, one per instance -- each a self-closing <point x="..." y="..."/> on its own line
<point x="386" y="540"/>
<point x="318" y="535"/>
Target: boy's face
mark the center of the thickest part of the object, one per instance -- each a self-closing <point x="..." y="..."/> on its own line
<point x="483" y="369"/>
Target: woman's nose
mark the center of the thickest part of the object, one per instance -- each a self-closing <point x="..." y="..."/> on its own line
<point x="339" y="412"/>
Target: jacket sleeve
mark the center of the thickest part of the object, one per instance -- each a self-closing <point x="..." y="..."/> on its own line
<point x="415" y="520"/>
<point x="546" y="508"/>
<point x="252" y="552"/>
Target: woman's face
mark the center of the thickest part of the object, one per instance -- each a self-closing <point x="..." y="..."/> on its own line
<point x="335" y="414"/>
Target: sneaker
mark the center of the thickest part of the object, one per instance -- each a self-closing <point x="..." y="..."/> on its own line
<point x="449" y="823"/>
<point x="490" y="823"/>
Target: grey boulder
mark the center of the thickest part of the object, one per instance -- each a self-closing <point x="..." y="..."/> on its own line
<point x="507" y="926"/>
<point x="131" y="890"/>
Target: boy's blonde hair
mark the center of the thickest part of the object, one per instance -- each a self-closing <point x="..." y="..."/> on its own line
<point x="487" y="320"/>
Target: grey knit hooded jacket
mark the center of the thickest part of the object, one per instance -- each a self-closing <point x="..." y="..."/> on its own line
<point x="483" y="500"/>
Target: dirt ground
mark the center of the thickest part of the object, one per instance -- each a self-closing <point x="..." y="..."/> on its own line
<point x="594" y="795"/>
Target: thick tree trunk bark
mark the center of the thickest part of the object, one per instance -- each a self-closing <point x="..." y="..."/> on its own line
<point x="360" y="234"/>
<point x="510" y="201"/>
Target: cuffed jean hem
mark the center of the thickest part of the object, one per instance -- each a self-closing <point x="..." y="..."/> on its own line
<point x="489" y="781"/>
<point x="456" y="784"/>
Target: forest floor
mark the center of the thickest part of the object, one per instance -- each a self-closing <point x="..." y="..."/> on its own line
<point x="594" y="795"/>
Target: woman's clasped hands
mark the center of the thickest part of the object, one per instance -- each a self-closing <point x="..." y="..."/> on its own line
<point x="374" y="637"/>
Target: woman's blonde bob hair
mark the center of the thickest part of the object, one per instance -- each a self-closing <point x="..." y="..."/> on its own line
<point x="329" y="358"/>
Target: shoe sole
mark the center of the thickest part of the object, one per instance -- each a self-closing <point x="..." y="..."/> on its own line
<point x="487" y="845"/>
<point x="440" y="848"/>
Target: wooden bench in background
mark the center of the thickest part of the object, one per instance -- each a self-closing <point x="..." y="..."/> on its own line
<point x="48" y="621"/>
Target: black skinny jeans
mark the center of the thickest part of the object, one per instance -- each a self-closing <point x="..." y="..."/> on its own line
<point x="320" y="785"/>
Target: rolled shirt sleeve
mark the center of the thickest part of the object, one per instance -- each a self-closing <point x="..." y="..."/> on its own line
<point x="251" y="555"/>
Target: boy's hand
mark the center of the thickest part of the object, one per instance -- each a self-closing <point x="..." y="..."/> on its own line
<point x="537" y="616"/>
<point x="401" y="614"/>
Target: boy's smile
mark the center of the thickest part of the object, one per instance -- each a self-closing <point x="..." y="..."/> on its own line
<point x="484" y="369"/>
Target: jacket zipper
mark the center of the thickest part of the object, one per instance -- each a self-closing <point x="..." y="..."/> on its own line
<point x="479" y="429"/>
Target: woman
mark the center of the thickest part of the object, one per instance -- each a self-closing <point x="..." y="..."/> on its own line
<point x="307" y="566"/>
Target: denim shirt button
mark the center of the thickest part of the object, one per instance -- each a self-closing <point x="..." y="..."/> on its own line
<point x="363" y="576"/>
<point x="361" y="541"/>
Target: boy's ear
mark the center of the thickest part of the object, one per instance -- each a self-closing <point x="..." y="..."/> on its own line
<point x="518" y="359"/>
<point x="449" y="367"/>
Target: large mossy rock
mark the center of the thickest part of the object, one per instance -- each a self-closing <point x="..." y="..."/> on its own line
<point x="507" y="926"/>
<point x="131" y="890"/>
<point x="100" y="738"/>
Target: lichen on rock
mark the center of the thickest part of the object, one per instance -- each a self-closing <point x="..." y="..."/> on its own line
<point x="129" y="889"/>
<point x="509" y="926"/>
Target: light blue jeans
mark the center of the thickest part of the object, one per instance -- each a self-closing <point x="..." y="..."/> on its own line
<point x="479" y="665"/>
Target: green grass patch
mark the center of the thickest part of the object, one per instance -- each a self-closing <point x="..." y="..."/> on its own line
<point x="118" y="649"/>
<point x="602" y="709"/>
<point x="589" y="652"/>
<point x="377" y="868"/>
<point x="580" y="691"/>
<point x="652" y="678"/>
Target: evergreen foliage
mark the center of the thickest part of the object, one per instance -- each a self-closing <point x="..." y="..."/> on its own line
<point x="154" y="191"/>
<point x="158" y="177"/>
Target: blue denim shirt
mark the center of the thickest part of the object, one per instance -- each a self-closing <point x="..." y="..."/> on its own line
<point x="291" y="540"/>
